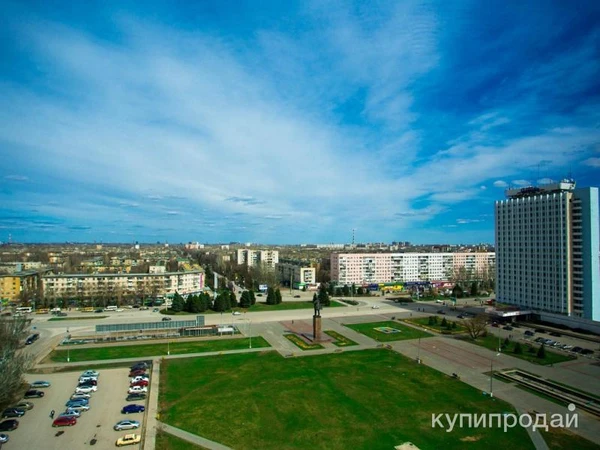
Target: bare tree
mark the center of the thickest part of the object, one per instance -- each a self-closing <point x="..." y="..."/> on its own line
<point x="475" y="326"/>
<point x="12" y="362"/>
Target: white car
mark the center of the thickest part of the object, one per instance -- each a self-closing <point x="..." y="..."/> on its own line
<point x="76" y="396"/>
<point x="375" y="307"/>
<point x="85" y="389"/>
<point x="137" y="390"/>
<point x="139" y="378"/>
<point x="237" y="313"/>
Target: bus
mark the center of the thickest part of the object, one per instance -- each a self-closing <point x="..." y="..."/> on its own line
<point x="24" y="309"/>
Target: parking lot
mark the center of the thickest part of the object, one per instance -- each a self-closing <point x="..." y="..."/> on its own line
<point x="35" y="428"/>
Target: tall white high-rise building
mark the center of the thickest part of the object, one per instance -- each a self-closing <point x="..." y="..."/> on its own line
<point x="548" y="249"/>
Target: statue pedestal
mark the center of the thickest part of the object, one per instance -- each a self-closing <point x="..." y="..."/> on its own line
<point x="316" y="328"/>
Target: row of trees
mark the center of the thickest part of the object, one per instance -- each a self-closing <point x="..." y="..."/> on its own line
<point x="12" y="363"/>
<point x="225" y="301"/>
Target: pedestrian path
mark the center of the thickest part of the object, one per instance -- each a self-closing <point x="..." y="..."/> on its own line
<point x="192" y="438"/>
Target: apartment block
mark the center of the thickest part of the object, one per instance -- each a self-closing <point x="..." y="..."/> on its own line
<point x="256" y="257"/>
<point x="364" y="268"/>
<point x="122" y="285"/>
<point x="548" y="249"/>
<point x="296" y="274"/>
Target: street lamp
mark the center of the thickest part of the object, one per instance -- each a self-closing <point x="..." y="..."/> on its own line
<point x="492" y="374"/>
<point x="419" y="352"/>
<point x="249" y="333"/>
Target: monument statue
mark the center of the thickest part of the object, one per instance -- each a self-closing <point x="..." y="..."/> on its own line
<point x="317" y="305"/>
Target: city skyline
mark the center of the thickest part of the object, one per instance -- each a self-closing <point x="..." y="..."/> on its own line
<point x="290" y="122"/>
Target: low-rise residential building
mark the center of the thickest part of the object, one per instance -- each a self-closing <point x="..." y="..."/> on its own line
<point x="20" y="285"/>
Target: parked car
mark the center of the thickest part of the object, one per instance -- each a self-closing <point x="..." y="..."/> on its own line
<point x="88" y="382"/>
<point x="140" y="365"/>
<point x="375" y="307"/>
<point x="85" y="389"/>
<point x="126" y="425"/>
<point x="135" y="397"/>
<point x="460" y="316"/>
<point x="69" y="412"/>
<point x="296" y="296"/>
<point x="139" y="378"/>
<point x="135" y="373"/>
<point x="529" y="333"/>
<point x="64" y="421"/>
<point x="441" y="311"/>
<point x="140" y="383"/>
<point x="99" y="310"/>
<point x="129" y="409"/>
<point x="507" y="328"/>
<point x="576" y="349"/>
<point x="79" y="407"/>
<point x="540" y="340"/>
<point x="236" y="313"/>
<point x="61" y="314"/>
<point x="155" y="310"/>
<point x="3" y="438"/>
<point x="137" y="389"/>
<point x="9" y="425"/>
<point x="90" y="373"/>
<point x="78" y="402"/>
<point x="12" y="412"/>
<point x="495" y="324"/>
<point x="128" y="439"/>
<point x="39" y="384"/>
<point x="540" y="330"/>
<point x="23" y="405"/>
<point x="32" y="393"/>
<point x="555" y="334"/>
<point x="587" y="351"/>
<point x="166" y="319"/>
<point x="80" y="396"/>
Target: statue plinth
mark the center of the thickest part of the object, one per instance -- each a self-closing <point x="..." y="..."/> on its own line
<point x="316" y="328"/>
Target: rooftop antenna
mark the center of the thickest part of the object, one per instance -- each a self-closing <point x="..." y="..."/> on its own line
<point x="352" y="236"/>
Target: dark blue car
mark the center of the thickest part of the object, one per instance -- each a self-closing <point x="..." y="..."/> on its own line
<point x="132" y="409"/>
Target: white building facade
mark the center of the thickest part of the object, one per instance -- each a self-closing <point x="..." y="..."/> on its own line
<point x="295" y="274"/>
<point x="361" y="268"/>
<point x="257" y="257"/>
<point x="122" y="285"/>
<point x="547" y="248"/>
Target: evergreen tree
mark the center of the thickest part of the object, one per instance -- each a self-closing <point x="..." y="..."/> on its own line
<point x="338" y="292"/>
<point x="233" y="300"/>
<point x="278" y="298"/>
<point x="271" y="300"/>
<point x="474" y="289"/>
<point x="444" y="322"/>
<point x="204" y="302"/>
<point x="324" y="296"/>
<point x="245" y="301"/>
<point x="346" y="290"/>
<point x="331" y="289"/>
<point x="541" y="352"/>
<point x="430" y="322"/>
<point x="454" y="325"/>
<point x="178" y="303"/>
<point x="517" y="350"/>
<point x="220" y="304"/>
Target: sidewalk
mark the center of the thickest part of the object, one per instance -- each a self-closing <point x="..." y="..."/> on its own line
<point x="193" y="438"/>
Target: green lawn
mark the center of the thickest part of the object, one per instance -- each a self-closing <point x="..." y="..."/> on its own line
<point x="147" y="350"/>
<point x="424" y="321"/>
<point x="284" y="306"/>
<point x="491" y="342"/>
<point x="373" y="399"/>
<point x="340" y="340"/>
<point x="368" y="329"/>
<point x="166" y="441"/>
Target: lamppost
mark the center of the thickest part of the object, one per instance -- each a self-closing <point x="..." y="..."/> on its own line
<point x="68" y="348"/>
<point x="249" y="333"/>
<point x="419" y="352"/>
<point x="168" y="345"/>
<point x="492" y="374"/>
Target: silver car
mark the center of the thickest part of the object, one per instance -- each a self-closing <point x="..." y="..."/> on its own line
<point x="126" y="425"/>
<point x="70" y="412"/>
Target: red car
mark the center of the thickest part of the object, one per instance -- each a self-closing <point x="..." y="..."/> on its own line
<point x="140" y="383"/>
<point x="135" y="373"/>
<point x="64" y="421"/>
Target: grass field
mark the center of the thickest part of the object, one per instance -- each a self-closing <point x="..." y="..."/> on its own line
<point x="147" y="350"/>
<point x="491" y="342"/>
<point x="260" y="306"/>
<point x="373" y="399"/>
<point x="166" y="441"/>
<point x="368" y="329"/>
<point x="424" y="321"/>
<point x="340" y="340"/>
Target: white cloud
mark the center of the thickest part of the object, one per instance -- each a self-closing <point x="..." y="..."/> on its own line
<point x="521" y="183"/>
<point x="592" y="162"/>
<point x="16" y="178"/>
<point x="500" y="184"/>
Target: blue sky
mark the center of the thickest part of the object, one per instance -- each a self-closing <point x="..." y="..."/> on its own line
<point x="289" y="122"/>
